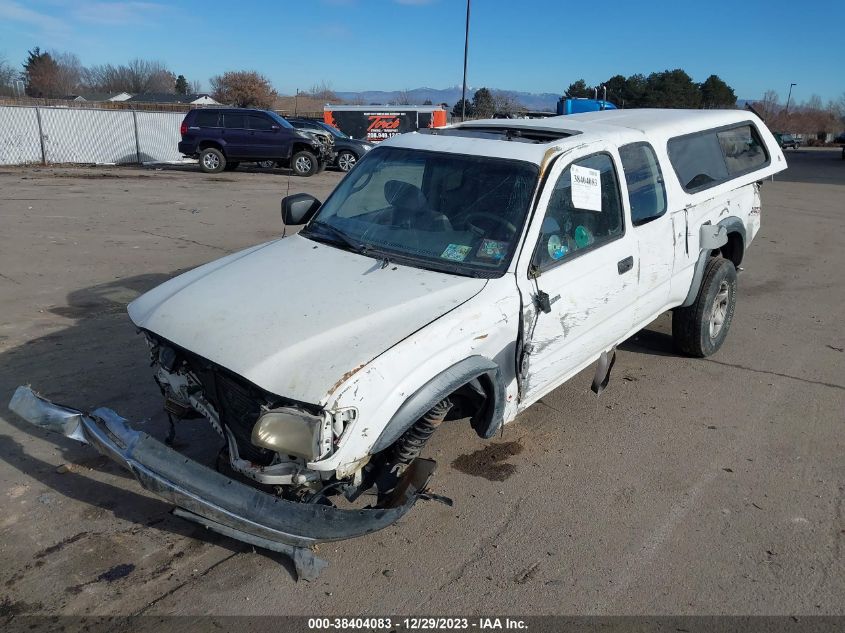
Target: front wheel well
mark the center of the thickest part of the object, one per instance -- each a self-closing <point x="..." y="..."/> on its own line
<point x="475" y="381"/>
<point x="733" y="249"/>
<point x="304" y="147"/>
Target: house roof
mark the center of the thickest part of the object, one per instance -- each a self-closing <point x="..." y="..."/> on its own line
<point x="167" y="97"/>
<point x="93" y="96"/>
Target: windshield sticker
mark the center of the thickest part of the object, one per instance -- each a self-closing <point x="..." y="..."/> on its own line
<point x="456" y="252"/>
<point x="556" y="248"/>
<point x="492" y="249"/>
<point x="586" y="188"/>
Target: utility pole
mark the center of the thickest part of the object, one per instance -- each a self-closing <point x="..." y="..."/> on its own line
<point x="789" y="97"/>
<point x="466" y="50"/>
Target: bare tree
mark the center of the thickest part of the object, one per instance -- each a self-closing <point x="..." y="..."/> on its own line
<point x="813" y="103"/>
<point x="7" y="78"/>
<point x="323" y="92"/>
<point x="769" y="102"/>
<point x="138" y="76"/>
<point x="505" y="102"/>
<point x="243" y="89"/>
<point x="403" y="97"/>
<point x="69" y="71"/>
<point x="194" y="86"/>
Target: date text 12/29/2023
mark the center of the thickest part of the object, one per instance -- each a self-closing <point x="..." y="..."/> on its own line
<point x="417" y="624"/>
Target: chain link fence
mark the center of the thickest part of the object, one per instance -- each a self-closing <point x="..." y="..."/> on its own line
<point x="89" y="136"/>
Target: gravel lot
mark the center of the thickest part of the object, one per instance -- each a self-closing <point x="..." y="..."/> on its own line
<point x="689" y="487"/>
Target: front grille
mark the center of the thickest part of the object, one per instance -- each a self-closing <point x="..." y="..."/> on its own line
<point x="239" y="410"/>
<point x="238" y="403"/>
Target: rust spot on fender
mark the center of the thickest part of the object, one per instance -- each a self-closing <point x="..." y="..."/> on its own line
<point x="344" y="378"/>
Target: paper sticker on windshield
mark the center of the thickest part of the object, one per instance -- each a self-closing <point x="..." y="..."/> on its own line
<point x="456" y="252"/>
<point x="493" y="250"/>
<point x="586" y="188"/>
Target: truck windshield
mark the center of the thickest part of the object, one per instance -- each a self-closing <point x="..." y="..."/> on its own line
<point x="449" y="212"/>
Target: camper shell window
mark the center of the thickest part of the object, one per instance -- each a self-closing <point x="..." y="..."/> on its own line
<point x="706" y="159"/>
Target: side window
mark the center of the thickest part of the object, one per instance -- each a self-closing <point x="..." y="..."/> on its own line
<point x="743" y="149"/>
<point x="646" y="192"/>
<point x="259" y="123"/>
<point x="705" y="159"/>
<point x="206" y="118"/>
<point x="698" y="161"/>
<point x="234" y="121"/>
<point x="584" y="212"/>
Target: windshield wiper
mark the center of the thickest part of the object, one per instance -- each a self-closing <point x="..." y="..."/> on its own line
<point x="353" y="244"/>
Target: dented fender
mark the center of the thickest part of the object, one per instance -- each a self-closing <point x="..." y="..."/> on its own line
<point x="484" y="328"/>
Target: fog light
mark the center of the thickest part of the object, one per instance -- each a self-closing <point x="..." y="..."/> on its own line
<point x="288" y="431"/>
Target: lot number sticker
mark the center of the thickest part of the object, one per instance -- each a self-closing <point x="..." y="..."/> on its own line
<point x="586" y="188"/>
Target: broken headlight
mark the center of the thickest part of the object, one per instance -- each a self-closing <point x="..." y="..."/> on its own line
<point x="290" y="432"/>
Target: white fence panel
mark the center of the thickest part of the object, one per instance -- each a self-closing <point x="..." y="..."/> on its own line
<point x="88" y="136"/>
<point x="19" y="142"/>
<point x="158" y="136"/>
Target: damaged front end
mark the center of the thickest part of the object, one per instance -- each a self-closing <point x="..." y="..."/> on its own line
<point x="268" y="439"/>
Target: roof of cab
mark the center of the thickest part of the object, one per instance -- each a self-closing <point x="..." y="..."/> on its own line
<point x="616" y="126"/>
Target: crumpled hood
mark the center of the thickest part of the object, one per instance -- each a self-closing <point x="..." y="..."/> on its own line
<point x="294" y="316"/>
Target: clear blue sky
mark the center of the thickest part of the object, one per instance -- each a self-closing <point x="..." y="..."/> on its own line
<point x="535" y="46"/>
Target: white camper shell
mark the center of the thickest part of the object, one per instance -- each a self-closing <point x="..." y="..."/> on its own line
<point x="460" y="273"/>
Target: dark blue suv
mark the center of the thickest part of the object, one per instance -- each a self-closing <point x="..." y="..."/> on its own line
<point x="222" y="138"/>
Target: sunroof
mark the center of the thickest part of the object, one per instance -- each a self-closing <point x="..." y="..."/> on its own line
<point x="503" y="133"/>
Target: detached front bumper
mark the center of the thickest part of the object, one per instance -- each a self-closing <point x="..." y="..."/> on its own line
<point x="210" y="498"/>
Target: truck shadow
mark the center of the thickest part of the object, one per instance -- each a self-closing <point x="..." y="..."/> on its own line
<point x="100" y="360"/>
<point x="651" y="342"/>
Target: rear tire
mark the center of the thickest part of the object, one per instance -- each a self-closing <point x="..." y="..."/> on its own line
<point x="212" y="160"/>
<point x="304" y="163"/>
<point x="700" y="329"/>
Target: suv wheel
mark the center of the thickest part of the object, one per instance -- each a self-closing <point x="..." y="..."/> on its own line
<point x="700" y="329"/>
<point x="304" y="163"/>
<point x="346" y="160"/>
<point x="266" y="164"/>
<point x="212" y="160"/>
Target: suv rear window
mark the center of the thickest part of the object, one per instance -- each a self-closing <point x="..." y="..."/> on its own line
<point x="205" y="118"/>
<point x="705" y="159"/>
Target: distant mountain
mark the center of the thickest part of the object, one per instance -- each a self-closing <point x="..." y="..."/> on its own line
<point x="450" y="96"/>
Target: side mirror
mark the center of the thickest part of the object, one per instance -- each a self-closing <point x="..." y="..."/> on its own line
<point x="299" y="208"/>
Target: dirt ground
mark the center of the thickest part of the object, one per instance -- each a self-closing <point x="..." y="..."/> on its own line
<point x="688" y="487"/>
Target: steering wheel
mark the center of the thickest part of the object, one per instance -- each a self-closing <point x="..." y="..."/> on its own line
<point x="467" y="217"/>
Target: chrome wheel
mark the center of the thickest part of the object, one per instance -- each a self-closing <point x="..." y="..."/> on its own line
<point x="720" y="309"/>
<point x="303" y="164"/>
<point x="346" y="161"/>
<point x="211" y="161"/>
<point x="266" y="164"/>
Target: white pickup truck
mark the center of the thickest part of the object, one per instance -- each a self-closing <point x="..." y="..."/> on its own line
<point x="457" y="274"/>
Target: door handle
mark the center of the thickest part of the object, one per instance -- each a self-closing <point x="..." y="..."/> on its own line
<point x="624" y="265"/>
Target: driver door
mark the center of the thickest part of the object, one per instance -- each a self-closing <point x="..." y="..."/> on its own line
<point x="580" y="285"/>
